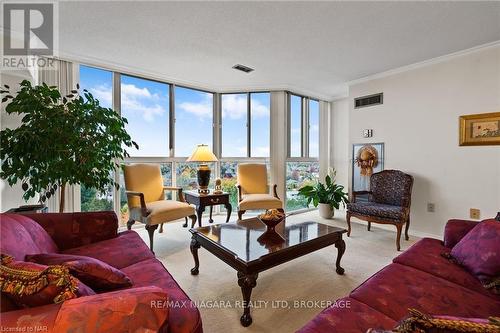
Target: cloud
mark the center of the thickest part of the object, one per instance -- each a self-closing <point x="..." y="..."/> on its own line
<point x="202" y="109"/>
<point x="133" y="100"/>
<point x="235" y="107"/>
<point x="141" y="101"/>
<point x="102" y="93"/>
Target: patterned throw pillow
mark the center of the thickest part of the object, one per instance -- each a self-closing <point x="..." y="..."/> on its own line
<point x="418" y="322"/>
<point x="93" y="272"/>
<point x="29" y="284"/>
<point x="479" y="253"/>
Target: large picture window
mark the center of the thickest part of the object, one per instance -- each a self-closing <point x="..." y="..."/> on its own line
<point x="313" y="128"/>
<point x="99" y="83"/>
<point x="145" y="104"/>
<point x="193" y="120"/>
<point x="302" y="167"/>
<point x="245" y="124"/>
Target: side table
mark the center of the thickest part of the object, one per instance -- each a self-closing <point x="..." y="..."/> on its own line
<point x="202" y="200"/>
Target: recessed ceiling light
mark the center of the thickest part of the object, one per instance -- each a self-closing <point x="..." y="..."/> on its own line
<point x="243" y="68"/>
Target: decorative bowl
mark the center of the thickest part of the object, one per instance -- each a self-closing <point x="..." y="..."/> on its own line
<point x="271" y="218"/>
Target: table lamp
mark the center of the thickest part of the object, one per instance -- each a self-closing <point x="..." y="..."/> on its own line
<point x="203" y="154"/>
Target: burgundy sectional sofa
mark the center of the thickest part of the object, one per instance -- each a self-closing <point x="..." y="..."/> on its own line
<point x="134" y="309"/>
<point x="419" y="278"/>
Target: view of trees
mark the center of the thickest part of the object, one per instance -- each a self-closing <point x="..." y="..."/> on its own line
<point x="299" y="174"/>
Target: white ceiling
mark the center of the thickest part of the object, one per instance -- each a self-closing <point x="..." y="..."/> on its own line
<point x="312" y="48"/>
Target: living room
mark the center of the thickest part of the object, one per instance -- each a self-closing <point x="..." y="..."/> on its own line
<point x="250" y="166"/>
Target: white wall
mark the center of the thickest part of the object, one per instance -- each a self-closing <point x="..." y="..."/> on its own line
<point x="11" y="197"/>
<point x="418" y="123"/>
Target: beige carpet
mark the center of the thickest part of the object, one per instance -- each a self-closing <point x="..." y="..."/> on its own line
<point x="309" y="278"/>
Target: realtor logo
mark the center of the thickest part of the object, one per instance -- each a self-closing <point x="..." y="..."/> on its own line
<point x="28" y="29"/>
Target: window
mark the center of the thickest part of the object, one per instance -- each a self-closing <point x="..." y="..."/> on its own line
<point x="244" y="117"/>
<point x="302" y="167"/>
<point x="295" y="126"/>
<point x="260" y="120"/>
<point x="145" y="104"/>
<point x="313" y="128"/>
<point x="193" y="120"/>
<point x="234" y="125"/>
<point x="100" y="84"/>
<point x="299" y="174"/>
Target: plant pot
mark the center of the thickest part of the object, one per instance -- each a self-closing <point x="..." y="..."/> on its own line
<point x="325" y="211"/>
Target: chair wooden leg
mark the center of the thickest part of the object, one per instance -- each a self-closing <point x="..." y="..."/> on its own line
<point x="348" y="219"/>
<point x="406" y="229"/>
<point x="161" y="228"/>
<point x="130" y="223"/>
<point x="399" y="227"/>
<point x="369" y="225"/>
<point x="151" y="230"/>
<point x="185" y="223"/>
<point x="240" y="214"/>
<point x="193" y="220"/>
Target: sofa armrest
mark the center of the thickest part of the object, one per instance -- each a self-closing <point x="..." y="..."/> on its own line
<point x="142" y="309"/>
<point x="455" y="230"/>
<point x="37" y="319"/>
<point x="69" y="230"/>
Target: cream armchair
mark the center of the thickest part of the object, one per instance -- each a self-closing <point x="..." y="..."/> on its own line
<point x="146" y="199"/>
<point x="253" y="190"/>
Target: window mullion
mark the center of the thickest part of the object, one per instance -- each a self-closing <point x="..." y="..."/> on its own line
<point x="171" y="130"/>
<point x="305" y="127"/>
<point x="249" y="125"/>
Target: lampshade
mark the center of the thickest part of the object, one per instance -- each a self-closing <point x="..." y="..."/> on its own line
<point x="202" y="154"/>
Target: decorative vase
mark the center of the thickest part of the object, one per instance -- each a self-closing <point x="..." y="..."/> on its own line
<point x="271" y="219"/>
<point x="326" y="211"/>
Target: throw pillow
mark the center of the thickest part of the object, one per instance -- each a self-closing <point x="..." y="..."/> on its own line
<point x="479" y="253"/>
<point x="29" y="284"/>
<point x="93" y="272"/>
<point x="418" y="322"/>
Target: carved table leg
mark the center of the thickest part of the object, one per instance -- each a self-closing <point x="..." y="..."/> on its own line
<point x="340" y="245"/>
<point x="228" y="210"/>
<point x="199" y="212"/>
<point x="194" y="251"/>
<point x="247" y="282"/>
<point x="210" y="220"/>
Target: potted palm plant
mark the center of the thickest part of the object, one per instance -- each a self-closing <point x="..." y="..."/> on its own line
<point x="328" y="196"/>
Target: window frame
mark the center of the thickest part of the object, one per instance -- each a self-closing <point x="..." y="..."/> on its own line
<point x="248" y="126"/>
<point x="217" y="130"/>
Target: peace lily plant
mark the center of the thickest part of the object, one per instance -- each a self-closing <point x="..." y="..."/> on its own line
<point x="328" y="196"/>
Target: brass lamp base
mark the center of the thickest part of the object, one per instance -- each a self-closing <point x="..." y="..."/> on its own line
<point x="203" y="178"/>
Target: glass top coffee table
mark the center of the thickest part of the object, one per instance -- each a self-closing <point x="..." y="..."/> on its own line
<point x="238" y="245"/>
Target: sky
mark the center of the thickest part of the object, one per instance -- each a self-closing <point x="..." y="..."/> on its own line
<point x="145" y="104"/>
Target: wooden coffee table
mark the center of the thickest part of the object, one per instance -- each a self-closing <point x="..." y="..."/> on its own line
<point x="236" y="244"/>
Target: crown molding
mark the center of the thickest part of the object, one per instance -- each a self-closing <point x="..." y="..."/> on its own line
<point x="425" y="63"/>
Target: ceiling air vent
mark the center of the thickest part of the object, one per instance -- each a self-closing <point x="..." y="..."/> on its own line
<point x="243" y="68"/>
<point x="364" y="101"/>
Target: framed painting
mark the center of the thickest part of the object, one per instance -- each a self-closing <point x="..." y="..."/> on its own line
<point x="480" y="129"/>
<point x="367" y="158"/>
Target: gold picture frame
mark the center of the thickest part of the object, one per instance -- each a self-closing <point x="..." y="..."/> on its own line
<point x="481" y="129"/>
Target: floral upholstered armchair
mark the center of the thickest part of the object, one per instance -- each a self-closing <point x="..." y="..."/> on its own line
<point x="389" y="202"/>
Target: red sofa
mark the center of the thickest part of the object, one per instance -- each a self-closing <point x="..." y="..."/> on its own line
<point x="418" y="278"/>
<point x="154" y="300"/>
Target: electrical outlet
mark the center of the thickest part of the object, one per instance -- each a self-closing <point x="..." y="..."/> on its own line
<point x="475" y="213"/>
<point x="431" y="207"/>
